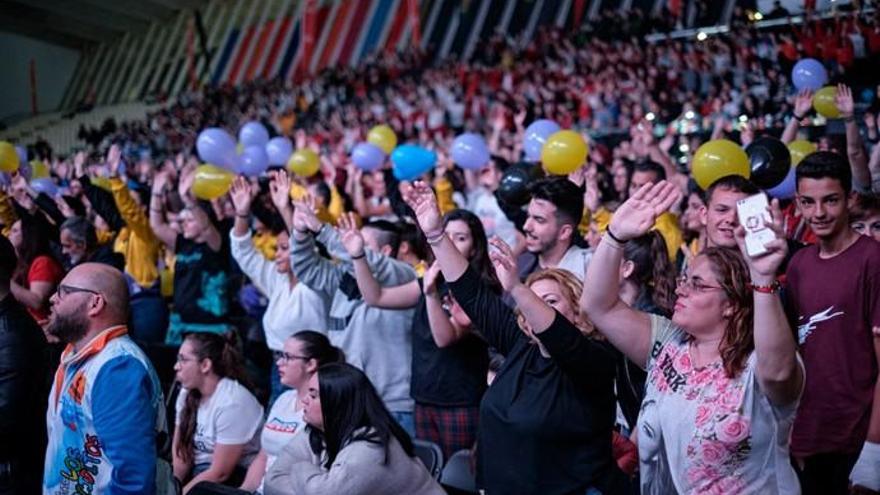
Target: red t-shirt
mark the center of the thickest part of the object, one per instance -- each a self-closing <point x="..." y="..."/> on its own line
<point x="43" y="269"/>
<point x="836" y="302"/>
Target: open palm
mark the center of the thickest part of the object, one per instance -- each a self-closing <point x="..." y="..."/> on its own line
<point x="279" y="190"/>
<point x="420" y="197"/>
<point x="637" y="215"/>
<point x="350" y="235"/>
<point x="240" y="192"/>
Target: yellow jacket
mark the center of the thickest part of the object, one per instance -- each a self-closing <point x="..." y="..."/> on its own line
<point x="136" y="241"/>
<point x="443" y="187"/>
<point x="7" y="213"/>
<point x="666" y="224"/>
<point x="331" y="213"/>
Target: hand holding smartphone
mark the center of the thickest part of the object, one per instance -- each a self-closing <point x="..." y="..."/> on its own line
<point x="754" y="216"/>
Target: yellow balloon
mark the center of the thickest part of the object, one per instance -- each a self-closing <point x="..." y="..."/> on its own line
<point x="39" y="169"/>
<point x="564" y="152"/>
<point x="8" y="157"/>
<point x="383" y="137"/>
<point x="211" y="182"/>
<point x="799" y="150"/>
<point x="304" y="163"/>
<point x="823" y="102"/>
<point x="719" y="158"/>
<point x="102" y="182"/>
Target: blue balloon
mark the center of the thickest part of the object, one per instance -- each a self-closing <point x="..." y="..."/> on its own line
<point x="470" y="151"/>
<point x="253" y="134"/>
<point x="5" y="179"/>
<point x="411" y="162"/>
<point x="367" y="156"/>
<point x="22" y="155"/>
<point x="217" y="147"/>
<point x="44" y="185"/>
<point x="786" y="189"/>
<point x="536" y="135"/>
<point x="279" y="150"/>
<point x="254" y="161"/>
<point x="810" y="74"/>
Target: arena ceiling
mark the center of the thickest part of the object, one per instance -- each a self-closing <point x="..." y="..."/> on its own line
<point x="79" y="23"/>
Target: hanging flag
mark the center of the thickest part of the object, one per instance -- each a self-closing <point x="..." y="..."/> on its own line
<point x="191" y="54"/>
<point x="577" y="13"/>
<point x="413" y="11"/>
<point x="310" y="18"/>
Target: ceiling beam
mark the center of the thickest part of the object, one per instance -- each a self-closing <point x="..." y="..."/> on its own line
<point x="12" y="13"/>
<point x="143" y="10"/>
<point x="40" y="33"/>
<point x="78" y="12"/>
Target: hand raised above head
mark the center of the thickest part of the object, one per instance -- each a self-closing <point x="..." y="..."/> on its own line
<point x="420" y="197"/>
<point x="637" y="215"/>
<point x="350" y="235"/>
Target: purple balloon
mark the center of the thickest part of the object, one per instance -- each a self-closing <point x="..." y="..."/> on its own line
<point x="810" y="74"/>
<point x="44" y="185"/>
<point x="253" y="134"/>
<point x="367" y="156"/>
<point x="5" y="179"/>
<point x="470" y="151"/>
<point x="785" y="189"/>
<point x="25" y="170"/>
<point x="22" y="155"/>
<point x="217" y="147"/>
<point x="279" y="150"/>
<point x="254" y="161"/>
<point x="536" y="135"/>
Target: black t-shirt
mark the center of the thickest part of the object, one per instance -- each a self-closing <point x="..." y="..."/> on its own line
<point x="452" y="376"/>
<point x="545" y="423"/>
<point x="201" y="282"/>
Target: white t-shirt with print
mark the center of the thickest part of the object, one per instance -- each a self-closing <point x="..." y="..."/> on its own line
<point x="231" y="416"/>
<point x="281" y="425"/>
<point x="703" y="433"/>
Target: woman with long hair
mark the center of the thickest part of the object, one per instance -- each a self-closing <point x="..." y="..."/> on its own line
<point x="449" y="362"/>
<point x="353" y="446"/>
<point x="37" y="272"/>
<point x="724" y="378"/>
<point x="304" y="352"/>
<point x="218" y="419"/>
<point x="546" y="422"/>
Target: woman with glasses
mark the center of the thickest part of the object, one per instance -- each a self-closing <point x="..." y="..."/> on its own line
<point x="218" y="418"/>
<point x="724" y="379"/>
<point x="303" y="354"/>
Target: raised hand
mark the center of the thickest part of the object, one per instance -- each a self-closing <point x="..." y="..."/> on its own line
<point x="505" y="264"/>
<point x="429" y="279"/>
<point x="843" y="100"/>
<point x="160" y="181"/>
<point x="184" y="184"/>
<point x="306" y="210"/>
<point x="763" y="268"/>
<point x="279" y="190"/>
<point x="79" y="163"/>
<point x="636" y="216"/>
<point x="350" y="235"/>
<point x="803" y="102"/>
<point x="241" y="195"/>
<point x="64" y="208"/>
<point x="114" y="158"/>
<point x="420" y="197"/>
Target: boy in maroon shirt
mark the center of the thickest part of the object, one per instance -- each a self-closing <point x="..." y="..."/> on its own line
<point x="834" y="290"/>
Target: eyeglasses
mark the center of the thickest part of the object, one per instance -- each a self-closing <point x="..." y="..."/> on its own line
<point x="183" y="359"/>
<point x="64" y="290"/>
<point x="287" y="357"/>
<point x="691" y="284"/>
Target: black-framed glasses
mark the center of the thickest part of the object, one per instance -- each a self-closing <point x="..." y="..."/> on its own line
<point x="287" y="357"/>
<point x="691" y="284"/>
<point x="64" y="290"/>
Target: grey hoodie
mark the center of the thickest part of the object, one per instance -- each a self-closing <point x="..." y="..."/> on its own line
<point x="378" y="341"/>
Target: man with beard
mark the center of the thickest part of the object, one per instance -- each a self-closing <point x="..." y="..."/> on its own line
<point x="554" y="213"/>
<point x="23" y="370"/>
<point x="105" y="415"/>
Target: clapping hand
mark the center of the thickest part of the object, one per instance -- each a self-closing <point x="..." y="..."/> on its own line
<point x="420" y="197"/>
<point x="350" y="235"/>
<point x="637" y="215"/>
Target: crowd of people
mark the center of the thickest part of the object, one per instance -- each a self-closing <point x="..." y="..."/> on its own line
<point x="606" y="332"/>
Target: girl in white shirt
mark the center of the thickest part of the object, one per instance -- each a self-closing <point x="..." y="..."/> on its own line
<point x="218" y="419"/>
<point x="303" y="353"/>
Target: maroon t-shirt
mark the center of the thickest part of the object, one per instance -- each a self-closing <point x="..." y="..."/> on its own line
<point x="836" y="302"/>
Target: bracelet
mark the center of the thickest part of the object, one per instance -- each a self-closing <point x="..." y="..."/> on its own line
<point x="158" y="195"/>
<point x="360" y="256"/>
<point x="304" y="231"/>
<point x="156" y="210"/>
<point x="434" y="233"/>
<point x="851" y="118"/>
<point x="798" y="117"/>
<point x="436" y="238"/>
<point x="773" y="288"/>
<point x="614" y="237"/>
<point x="242" y="216"/>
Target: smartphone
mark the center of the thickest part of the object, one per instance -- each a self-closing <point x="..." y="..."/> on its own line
<point x="754" y="217"/>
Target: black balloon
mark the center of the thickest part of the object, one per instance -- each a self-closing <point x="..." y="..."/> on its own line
<point x="770" y="161"/>
<point x="514" y="186"/>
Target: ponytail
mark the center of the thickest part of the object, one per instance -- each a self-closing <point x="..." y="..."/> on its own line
<point x="226" y="362"/>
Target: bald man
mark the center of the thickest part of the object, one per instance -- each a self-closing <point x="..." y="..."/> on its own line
<point x="106" y="414"/>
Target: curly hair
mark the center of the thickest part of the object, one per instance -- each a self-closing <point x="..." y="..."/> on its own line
<point x="570" y="288"/>
<point x="733" y="276"/>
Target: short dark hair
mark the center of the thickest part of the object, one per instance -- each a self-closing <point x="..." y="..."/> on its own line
<point x="865" y="204"/>
<point x="8" y="261"/>
<point x="82" y="231"/>
<point x="649" y="166"/>
<point x="563" y="194"/>
<point x="825" y="164"/>
<point x="735" y="183"/>
<point x="389" y="234"/>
